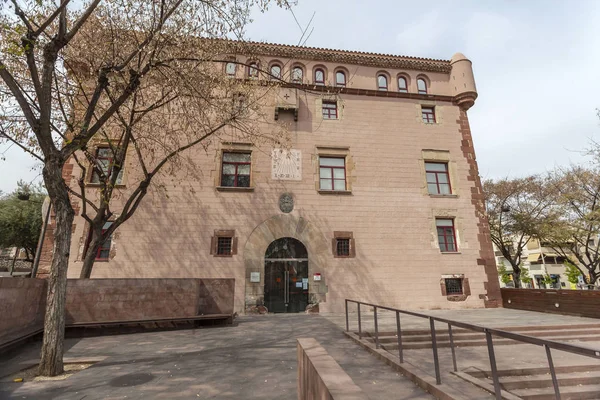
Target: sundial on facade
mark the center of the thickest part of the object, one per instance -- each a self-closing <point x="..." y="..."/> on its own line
<point x="286" y="164"/>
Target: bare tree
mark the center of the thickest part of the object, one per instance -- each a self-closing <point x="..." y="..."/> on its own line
<point x="576" y="232"/>
<point x="120" y="47"/>
<point x="518" y="210"/>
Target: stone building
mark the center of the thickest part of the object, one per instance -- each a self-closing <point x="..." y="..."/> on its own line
<point x="378" y="198"/>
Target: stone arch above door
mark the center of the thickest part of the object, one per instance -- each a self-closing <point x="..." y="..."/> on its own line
<point x="276" y="227"/>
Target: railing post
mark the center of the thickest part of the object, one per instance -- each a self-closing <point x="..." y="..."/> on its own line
<point x="376" y="327"/>
<point x="359" y="327"/>
<point x="399" y="332"/>
<point x="346" y="306"/>
<point x="553" y="373"/>
<point x="490" y="346"/>
<point x="436" y="361"/>
<point x="452" y="347"/>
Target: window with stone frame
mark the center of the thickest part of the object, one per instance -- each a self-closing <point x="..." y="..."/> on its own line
<point x="402" y="84"/>
<point x="382" y="82"/>
<point x="103" y="252"/>
<point x="340" y="79"/>
<point x="446" y="235"/>
<point x="343" y="244"/>
<point x="330" y="109"/>
<point x="223" y="243"/>
<point x="438" y="178"/>
<point x="104" y="158"/>
<point x="230" y="69"/>
<point x="428" y="114"/>
<point x="253" y="70"/>
<point x="421" y="86"/>
<point x="332" y="173"/>
<point x="235" y="169"/>
<point x="319" y="76"/>
<point x="455" y="286"/>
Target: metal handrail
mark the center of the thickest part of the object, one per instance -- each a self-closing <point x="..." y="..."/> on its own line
<point x="489" y="332"/>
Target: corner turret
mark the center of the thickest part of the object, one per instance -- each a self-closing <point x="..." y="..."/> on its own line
<point x="462" y="81"/>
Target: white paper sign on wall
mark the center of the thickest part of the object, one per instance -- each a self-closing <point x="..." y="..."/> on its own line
<point x="255" y="277"/>
<point x="286" y="165"/>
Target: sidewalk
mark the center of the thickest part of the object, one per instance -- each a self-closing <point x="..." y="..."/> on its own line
<point x="254" y="360"/>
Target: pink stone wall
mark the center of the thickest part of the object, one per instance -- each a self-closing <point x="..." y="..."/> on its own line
<point x="22" y="305"/>
<point x="101" y="300"/>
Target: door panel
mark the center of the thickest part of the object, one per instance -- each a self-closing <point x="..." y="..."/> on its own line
<point x="286" y="286"/>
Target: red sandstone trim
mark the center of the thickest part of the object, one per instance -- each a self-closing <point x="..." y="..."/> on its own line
<point x="486" y="252"/>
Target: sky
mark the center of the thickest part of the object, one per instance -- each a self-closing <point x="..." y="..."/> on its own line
<point x="535" y="64"/>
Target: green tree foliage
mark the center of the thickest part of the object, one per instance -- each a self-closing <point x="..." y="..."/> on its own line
<point x="572" y="271"/>
<point x="525" y="277"/>
<point x="21" y="219"/>
<point x="505" y="276"/>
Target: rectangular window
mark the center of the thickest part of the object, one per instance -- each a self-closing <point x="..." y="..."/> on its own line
<point x="332" y="173"/>
<point x="446" y="235"/>
<point x="438" y="179"/>
<point x="330" y="110"/>
<point x="104" y="249"/>
<point x="235" y="170"/>
<point x="104" y="160"/>
<point x="224" y="246"/>
<point x="343" y="247"/>
<point x="428" y="114"/>
<point x="454" y="286"/>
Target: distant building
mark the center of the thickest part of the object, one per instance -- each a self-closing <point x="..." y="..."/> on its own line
<point x="378" y="199"/>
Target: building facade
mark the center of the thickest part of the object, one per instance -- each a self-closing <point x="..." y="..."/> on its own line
<point x="377" y="197"/>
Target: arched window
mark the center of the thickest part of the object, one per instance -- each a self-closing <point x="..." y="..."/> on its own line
<point x="230" y="68"/>
<point x="275" y="71"/>
<point x="422" y="86"/>
<point x="382" y="83"/>
<point x="402" y="85"/>
<point x="319" y="76"/>
<point x="297" y="74"/>
<point x="340" y="78"/>
<point x="253" y="70"/>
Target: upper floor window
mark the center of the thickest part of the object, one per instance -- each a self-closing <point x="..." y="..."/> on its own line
<point x="332" y="173"/>
<point x="230" y="68"/>
<point x="402" y="85"/>
<point x="340" y="78"/>
<point x="330" y="110"/>
<point x="438" y="179"/>
<point x="253" y="70"/>
<point x="422" y="86"/>
<point x="428" y="114"/>
<point x="104" y="164"/>
<point x="297" y="74"/>
<point x="446" y="235"/>
<point x="276" y="71"/>
<point x="319" y="76"/>
<point x="104" y="249"/>
<point x="382" y="83"/>
<point x="235" y="171"/>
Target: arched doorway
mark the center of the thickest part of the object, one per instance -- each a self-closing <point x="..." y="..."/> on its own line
<point x="286" y="276"/>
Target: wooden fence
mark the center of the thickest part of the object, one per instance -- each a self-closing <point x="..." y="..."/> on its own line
<point x="583" y="303"/>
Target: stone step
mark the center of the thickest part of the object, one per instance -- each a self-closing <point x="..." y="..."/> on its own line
<point x="582" y="392"/>
<point x="565" y="369"/>
<point x="511" y="383"/>
<point x="393" y="345"/>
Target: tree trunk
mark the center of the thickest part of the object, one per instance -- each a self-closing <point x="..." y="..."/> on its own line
<point x="51" y="363"/>
<point x="90" y="257"/>
<point x="14" y="260"/>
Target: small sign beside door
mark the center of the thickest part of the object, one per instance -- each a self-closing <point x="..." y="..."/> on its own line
<point x="255" y="277"/>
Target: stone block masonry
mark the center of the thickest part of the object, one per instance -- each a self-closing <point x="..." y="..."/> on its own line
<point x="22" y="305"/>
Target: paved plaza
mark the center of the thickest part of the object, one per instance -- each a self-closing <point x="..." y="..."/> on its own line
<point x="254" y="360"/>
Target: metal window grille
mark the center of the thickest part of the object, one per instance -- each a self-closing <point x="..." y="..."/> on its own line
<point x="330" y="110"/>
<point x="428" y="114"/>
<point x="454" y="286"/>
<point x="224" y="246"/>
<point x="438" y="179"/>
<point x="343" y="247"/>
<point x="235" y="170"/>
